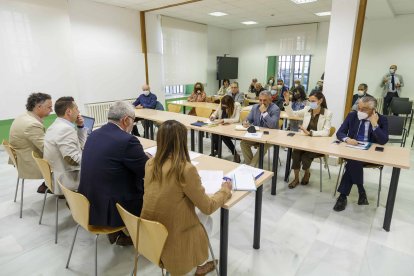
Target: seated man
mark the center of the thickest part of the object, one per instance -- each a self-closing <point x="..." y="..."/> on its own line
<point x="113" y="169"/>
<point x="362" y="92"/>
<point x="257" y="88"/>
<point x="365" y="125"/>
<point x="27" y="134"/>
<point x="64" y="143"/>
<point x="145" y="100"/>
<point x="264" y="114"/>
<point x="235" y="93"/>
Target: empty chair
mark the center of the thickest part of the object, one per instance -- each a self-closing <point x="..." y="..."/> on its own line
<point x="203" y="112"/>
<point x="403" y="108"/>
<point x="147" y="236"/>
<point x="79" y="207"/>
<point x="396" y="128"/>
<point x="174" y="108"/>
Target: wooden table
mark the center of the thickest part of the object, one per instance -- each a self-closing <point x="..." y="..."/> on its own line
<point x="184" y="104"/>
<point x="212" y="163"/>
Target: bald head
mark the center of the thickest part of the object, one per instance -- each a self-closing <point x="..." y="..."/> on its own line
<point x="145" y="87"/>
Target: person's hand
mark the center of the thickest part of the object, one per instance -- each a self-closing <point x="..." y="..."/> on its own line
<point x="79" y="120"/>
<point x="286" y="95"/>
<point x="246" y="124"/>
<point x="374" y="119"/>
<point x="227" y="184"/>
<point x="220" y="121"/>
<point x="139" y="106"/>
<point x="262" y="108"/>
<point x="212" y="118"/>
<point x="305" y="131"/>
<point x="385" y="80"/>
<point x="398" y="85"/>
<point x="350" y="141"/>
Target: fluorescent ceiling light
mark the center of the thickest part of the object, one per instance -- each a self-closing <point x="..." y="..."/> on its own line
<point x="249" y="22"/>
<point x="303" y="1"/>
<point x="217" y="13"/>
<point x="323" y="13"/>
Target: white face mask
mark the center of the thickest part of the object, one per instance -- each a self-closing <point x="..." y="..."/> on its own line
<point x="313" y="105"/>
<point x="273" y="92"/>
<point x="296" y="85"/>
<point x="392" y="71"/>
<point x="361" y="93"/>
<point x="279" y="86"/>
<point x="362" y="115"/>
<point x="271" y="81"/>
<point x="146" y="93"/>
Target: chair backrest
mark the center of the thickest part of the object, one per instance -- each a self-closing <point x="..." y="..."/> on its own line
<point x="245" y="102"/>
<point x="159" y="106"/>
<point x="147" y="236"/>
<point x="209" y="99"/>
<point x="395" y="125"/>
<point x="79" y="206"/>
<point x="10" y="151"/>
<point x="332" y="131"/>
<point x="174" y="108"/>
<point x="401" y="107"/>
<point x="203" y="112"/>
<point x="243" y="115"/>
<point x="45" y="169"/>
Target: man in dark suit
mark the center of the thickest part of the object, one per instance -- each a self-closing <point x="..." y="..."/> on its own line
<point x="362" y="92"/>
<point x="364" y="125"/>
<point x="112" y="171"/>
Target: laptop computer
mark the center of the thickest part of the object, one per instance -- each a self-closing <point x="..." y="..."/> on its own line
<point x="88" y="122"/>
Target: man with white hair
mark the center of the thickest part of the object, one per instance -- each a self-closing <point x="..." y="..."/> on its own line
<point x="113" y="169"/>
<point x="145" y="100"/>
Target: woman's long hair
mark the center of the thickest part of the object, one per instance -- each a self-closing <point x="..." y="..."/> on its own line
<point x="171" y="144"/>
<point x="229" y="102"/>
<point x="198" y="84"/>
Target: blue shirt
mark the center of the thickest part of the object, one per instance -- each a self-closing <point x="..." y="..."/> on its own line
<point x="149" y="101"/>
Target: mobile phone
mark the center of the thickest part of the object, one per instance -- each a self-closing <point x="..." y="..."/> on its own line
<point x="265" y="132"/>
<point x="336" y="142"/>
<point x="291" y="134"/>
<point x="381" y="149"/>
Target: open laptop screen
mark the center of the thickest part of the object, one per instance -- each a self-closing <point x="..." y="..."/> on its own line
<point x="88" y="123"/>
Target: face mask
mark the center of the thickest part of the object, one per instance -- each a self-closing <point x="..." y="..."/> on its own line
<point x="361" y="93"/>
<point x="198" y="91"/>
<point x="146" y="93"/>
<point x="279" y="86"/>
<point x="392" y="71"/>
<point x="273" y="92"/>
<point x="296" y="85"/>
<point x="313" y="105"/>
<point x="362" y="115"/>
<point x="271" y="81"/>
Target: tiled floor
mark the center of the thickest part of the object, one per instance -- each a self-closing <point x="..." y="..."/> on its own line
<point x="300" y="233"/>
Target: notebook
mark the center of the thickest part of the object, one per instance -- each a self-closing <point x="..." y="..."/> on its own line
<point x="361" y="145"/>
<point x="88" y="122"/>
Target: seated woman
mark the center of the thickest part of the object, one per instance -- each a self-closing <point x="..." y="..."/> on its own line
<point x="298" y="103"/>
<point x="225" y="88"/>
<point x="198" y="95"/>
<point x="172" y="191"/>
<point x="316" y="122"/>
<point x="228" y="112"/>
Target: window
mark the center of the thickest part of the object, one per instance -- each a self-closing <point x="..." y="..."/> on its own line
<point x="290" y="68"/>
<point x="174" y="90"/>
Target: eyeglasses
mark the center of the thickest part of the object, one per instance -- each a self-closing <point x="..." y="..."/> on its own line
<point x="133" y="118"/>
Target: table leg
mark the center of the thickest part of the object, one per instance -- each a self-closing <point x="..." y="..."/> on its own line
<point x="212" y="145"/>
<point x="392" y="192"/>
<point x="145" y="125"/>
<point x="257" y="217"/>
<point x="183" y="109"/>
<point x="261" y="155"/>
<point x="275" y="168"/>
<point x="219" y="146"/>
<point x="200" y="141"/>
<point x="288" y="159"/>
<point x="192" y="140"/>
<point x="224" y="240"/>
<point x="151" y="128"/>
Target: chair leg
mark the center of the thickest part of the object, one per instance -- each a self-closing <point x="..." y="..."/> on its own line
<point x="135" y="268"/>
<point x="327" y="165"/>
<point x="320" y="174"/>
<point x="43" y="207"/>
<point x="280" y="162"/>
<point x="17" y="186"/>
<point x="73" y="243"/>
<point x="56" y="219"/>
<point x="268" y="159"/>
<point x="379" y="187"/>
<point x="96" y="255"/>
<point x="337" y="180"/>
<point x="21" y="200"/>
<point x="212" y="255"/>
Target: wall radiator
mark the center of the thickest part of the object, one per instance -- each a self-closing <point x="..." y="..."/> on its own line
<point x="380" y="103"/>
<point x="99" y="111"/>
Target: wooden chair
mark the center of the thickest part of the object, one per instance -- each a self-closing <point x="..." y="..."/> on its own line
<point x="174" y="108"/>
<point x="12" y="155"/>
<point x="47" y="174"/>
<point x="148" y="237"/>
<point x="243" y="115"/>
<point x="203" y="112"/>
<point x="79" y="207"/>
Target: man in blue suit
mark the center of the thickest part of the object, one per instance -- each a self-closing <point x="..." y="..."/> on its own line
<point x="364" y="125"/>
<point x="112" y="171"/>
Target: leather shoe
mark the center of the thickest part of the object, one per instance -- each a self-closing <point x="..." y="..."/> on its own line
<point x="340" y="204"/>
<point x="236" y="158"/>
<point x="113" y="237"/>
<point x="42" y="189"/>
<point x="123" y="240"/>
<point x="205" y="268"/>
<point x="214" y="153"/>
<point x="362" y="199"/>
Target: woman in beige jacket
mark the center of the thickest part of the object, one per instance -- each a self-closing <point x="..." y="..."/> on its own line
<point x="316" y="122"/>
<point x="172" y="191"/>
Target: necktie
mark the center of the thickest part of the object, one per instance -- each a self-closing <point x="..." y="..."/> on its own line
<point x="261" y="121"/>
<point x="361" y="131"/>
<point x="392" y="82"/>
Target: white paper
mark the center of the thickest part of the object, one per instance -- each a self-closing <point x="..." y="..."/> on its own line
<point x="244" y="181"/>
<point x="246" y="168"/>
<point x="361" y="145"/>
<point x="241" y="127"/>
<point x="254" y="135"/>
<point x="151" y="150"/>
<point x="194" y="154"/>
<point x="195" y="163"/>
<point x="211" y="180"/>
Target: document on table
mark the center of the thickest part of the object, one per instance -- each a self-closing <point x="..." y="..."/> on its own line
<point x="194" y="154"/>
<point x="246" y="168"/>
<point x="211" y="180"/>
<point x="241" y="127"/>
<point x="153" y="151"/>
<point x="243" y="181"/>
<point x="361" y="145"/>
<point x="254" y="135"/>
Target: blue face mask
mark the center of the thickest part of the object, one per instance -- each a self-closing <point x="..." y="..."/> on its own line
<point x="313" y="105"/>
<point x="273" y="92"/>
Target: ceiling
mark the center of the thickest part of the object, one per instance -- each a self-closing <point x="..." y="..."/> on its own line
<point x="265" y="12"/>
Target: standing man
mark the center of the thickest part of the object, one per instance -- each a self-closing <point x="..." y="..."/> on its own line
<point x="64" y="141"/>
<point x="264" y="114"/>
<point x="235" y="93"/>
<point x="27" y="134"/>
<point x="365" y="125"/>
<point x="113" y="170"/>
<point x="391" y="84"/>
<point x="145" y="100"/>
<point x="362" y="92"/>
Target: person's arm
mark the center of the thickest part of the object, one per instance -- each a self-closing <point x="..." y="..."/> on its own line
<point x="401" y="80"/>
<point x="137" y="101"/>
<point x="271" y="117"/>
<point x="236" y="115"/>
<point x="35" y="133"/>
<point x="68" y="144"/>
<point x="342" y="133"/>
<point x="135" y="157"/>
<point x="380" y="131"/>
<point x="192" y="97"/>
<point x="326" y="126"/>
<point x="151" y="103"/>
<point x="82" y="134"/>
<point x="202" y="97"/>
<point x="250" y="117"/>
<point x="195" y="191"/>
<point x="291" y="113"/>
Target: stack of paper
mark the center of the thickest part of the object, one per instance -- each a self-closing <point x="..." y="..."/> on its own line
<point x="241" y="127"/>
<point x="211" y="180"/>
<point x="153" y="151"/>
<point x="246" y="168"/>
<point x="243" y="181"/>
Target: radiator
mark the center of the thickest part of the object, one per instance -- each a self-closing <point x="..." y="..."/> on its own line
<point x="380" y="103"/>
<point x="99" y="111"/>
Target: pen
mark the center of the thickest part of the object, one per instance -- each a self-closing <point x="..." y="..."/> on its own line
<point x="226" y="178"/>
<point x="361" y="143"/>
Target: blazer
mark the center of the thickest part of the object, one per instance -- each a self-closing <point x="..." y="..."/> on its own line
<point x="270" y="121"/>
<point x="324" y="121"/>
<point x="385" y="85"/>
<point x="63" y="149"/>
<point x="173" y="204"/>
<point x="27" y="134"/>
<point x="113" y="168"/>
<point x="235" y="118"/>
<point x="349" y="128"/>
<point x="239" y="97"/>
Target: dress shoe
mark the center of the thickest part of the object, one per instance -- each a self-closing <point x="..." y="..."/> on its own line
<point x="362" y="199"/>
<point x="214" y="153"/>
<point x="123" y="240"/>
<point x="42" y="189"/>
<point x="305" y="179"/>
<point x="113" y="237"/>
<point x="205" y="268"/>
<point x="294" y="183"/>
<point x="236" y="158"/>
<point x="340" y="204"/>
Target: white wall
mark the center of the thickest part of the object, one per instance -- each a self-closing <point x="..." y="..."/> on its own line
<point x="386" y="42"/>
